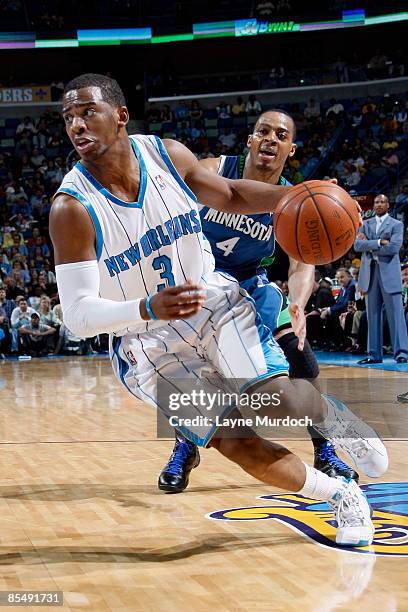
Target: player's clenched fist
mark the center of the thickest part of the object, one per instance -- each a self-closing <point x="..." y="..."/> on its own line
<point x="179" y="302"/>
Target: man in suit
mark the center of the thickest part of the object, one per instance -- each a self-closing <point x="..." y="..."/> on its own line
<point x="332" y="313"/>
<point x="380" y="278"/>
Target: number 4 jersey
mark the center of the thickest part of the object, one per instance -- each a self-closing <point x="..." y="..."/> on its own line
<point x="144" y="246"/>
<point x="239" y="242"/>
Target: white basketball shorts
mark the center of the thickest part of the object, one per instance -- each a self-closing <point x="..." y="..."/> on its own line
<point x="224" y="342"/>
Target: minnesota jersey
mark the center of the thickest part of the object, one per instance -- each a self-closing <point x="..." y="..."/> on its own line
<point x="144" y="246"/>
<point x="239" y="242"/>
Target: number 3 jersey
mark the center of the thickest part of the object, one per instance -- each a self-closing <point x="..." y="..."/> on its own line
<point x="144" y="246"/>
<point x="239" y="242"/>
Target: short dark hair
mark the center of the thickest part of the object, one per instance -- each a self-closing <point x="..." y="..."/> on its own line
<point x="110" y="89"/>
<point x="282" y="112"/>
<point x="344" y="270"/>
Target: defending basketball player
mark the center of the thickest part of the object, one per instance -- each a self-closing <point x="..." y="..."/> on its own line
<point x="131" y="260"/>
<point x="240" y="253"/>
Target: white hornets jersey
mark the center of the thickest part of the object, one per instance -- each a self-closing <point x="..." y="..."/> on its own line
<point x="144" y="246"/>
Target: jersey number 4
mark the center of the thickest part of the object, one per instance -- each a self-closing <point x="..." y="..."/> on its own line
<point x="163" y="263"/>
<point x="227" y="245"/>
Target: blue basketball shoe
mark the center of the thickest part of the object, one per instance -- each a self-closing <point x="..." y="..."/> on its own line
<point x="326" y="460"/>
<point x="176" y="473"/>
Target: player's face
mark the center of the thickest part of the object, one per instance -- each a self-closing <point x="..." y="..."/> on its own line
<point x="272" y="141"/>
<point x="91" y="123"/>
<point x="381" y="205"/>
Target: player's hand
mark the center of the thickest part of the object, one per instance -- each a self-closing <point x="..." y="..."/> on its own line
<point x="298" y="320"/>
<point x="178" y="302"/>
<point x="362" y="236"/>
<point x="384" y="242"/>
<point x="360" y="210"/>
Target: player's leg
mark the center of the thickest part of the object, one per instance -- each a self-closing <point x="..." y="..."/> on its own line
<point x="255" y="356"/>
<point x="140" y="360"/>
<point x="175" y="475"/>
<point x="272" y="306"/>
<point x="277" y="466"/>
<point x="303" y="364"/>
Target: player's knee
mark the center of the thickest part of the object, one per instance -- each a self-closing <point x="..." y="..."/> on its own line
<point x="302" y="364"/>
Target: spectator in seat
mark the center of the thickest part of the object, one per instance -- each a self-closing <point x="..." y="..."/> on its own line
<point x="321" y="297"/>
<point x="7" y="304"/>
<point x="238" y="109"/>
<point x="49" y="274"/>
<point x="229" y="138"/>
<point x="195" y="112"/>
<point x="331" y="314"/>
<point x="377" y="66"/>
<point x="47" y="315"/>
<point x="335" y="110"/>
<point x="26" y="125"/>
<point x="166" y="114"/>
<point x="223" y="110"/>
<point x="4" y="333"/>
<point x="37" y="158"/>
<point x="36" y="337"/>
<point x="181" y="111"/>
<point x="253" y="106"/>
<point x="20" y="316"/>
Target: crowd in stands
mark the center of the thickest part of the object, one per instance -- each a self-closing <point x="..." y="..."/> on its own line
<point x="350" y="140"/>
<point x="373" y="146"/>
<point x="362" y="141"/>
<point x="31" y="169"/>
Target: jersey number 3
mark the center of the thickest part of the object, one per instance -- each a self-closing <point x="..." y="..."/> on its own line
<point x="227" y="245"/>
<point x="163" y="263"/>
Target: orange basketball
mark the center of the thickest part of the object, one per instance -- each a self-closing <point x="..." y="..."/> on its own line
<point x="316" y="222"/>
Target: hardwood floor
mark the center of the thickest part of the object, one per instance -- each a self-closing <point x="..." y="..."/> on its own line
<point x="80" y="510"/>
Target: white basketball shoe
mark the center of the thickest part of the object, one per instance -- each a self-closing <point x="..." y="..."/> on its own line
<point x="353" y="515"/>
<point x="357" y="440"/>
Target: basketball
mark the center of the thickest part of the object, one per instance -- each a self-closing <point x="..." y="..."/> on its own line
<point x="316" y="222"/>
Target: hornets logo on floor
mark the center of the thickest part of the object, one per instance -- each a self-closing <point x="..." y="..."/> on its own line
<point x="389" y="501"/>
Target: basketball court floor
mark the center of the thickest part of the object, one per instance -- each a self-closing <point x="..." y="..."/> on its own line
<point x="80" y="511"/>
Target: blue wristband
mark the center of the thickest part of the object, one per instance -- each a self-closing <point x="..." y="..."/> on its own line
<point x="149" y="309"/>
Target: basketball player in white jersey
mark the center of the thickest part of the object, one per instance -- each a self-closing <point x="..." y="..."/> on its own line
<point x="131" y="260"/>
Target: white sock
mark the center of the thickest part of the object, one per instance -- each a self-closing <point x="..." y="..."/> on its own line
<point x="320" y="486"/>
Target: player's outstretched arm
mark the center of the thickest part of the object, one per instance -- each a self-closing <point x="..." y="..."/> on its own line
<point x="300" y="282"/>
<point x="242" y="195"/>
<point x="85" y="313"/>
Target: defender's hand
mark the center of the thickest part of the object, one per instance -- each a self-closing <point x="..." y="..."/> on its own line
<point x="178" y="302"/>
<point x="298" y="319"/>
